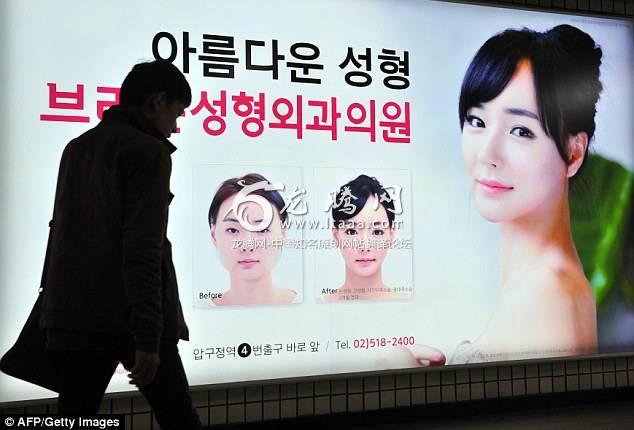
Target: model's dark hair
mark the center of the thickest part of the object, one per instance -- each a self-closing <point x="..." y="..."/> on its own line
<point x="234" y="185"/>
<point x="153" y="77"/>
<point x="565" y="65"/>
<point x="362" y="187"/>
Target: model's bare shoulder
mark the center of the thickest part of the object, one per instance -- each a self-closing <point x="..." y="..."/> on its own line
<point x="221" y="300"/>
<point x="285" y="295"/>
<point x="563" y="285"/>
<point x="563" y="303"/>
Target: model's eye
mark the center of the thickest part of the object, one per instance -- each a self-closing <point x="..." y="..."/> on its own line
<point x="474" y="121"/>
<point x="232" y="230"/>
<point x="266" y="230"/>
<point x="378" y="232"/>
<point x="350" y="231"/>
<point x="522" y="132"/>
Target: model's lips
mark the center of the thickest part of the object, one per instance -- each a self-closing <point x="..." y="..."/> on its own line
<point x="365" y="261"/>
<point x="493" y="187"/>
<point x="248" y="262"/>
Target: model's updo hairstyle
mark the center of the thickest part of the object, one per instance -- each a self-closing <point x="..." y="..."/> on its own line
<point x="362" y="187"/>
<point x="565" y="64"/>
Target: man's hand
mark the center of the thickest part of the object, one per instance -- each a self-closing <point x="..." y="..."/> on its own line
<point x="145" y="366"/>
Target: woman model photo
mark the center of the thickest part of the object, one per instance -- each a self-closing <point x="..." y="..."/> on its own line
<point x="527" y="108"/>
<point x="363" y="229"/>
<point x="249" y="254"/>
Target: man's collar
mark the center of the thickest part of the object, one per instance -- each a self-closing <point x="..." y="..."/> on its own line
<point x="134" y="118"/>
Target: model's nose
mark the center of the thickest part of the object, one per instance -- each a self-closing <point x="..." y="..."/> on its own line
<point x="365" y="244"/>
<point x="247" y="243"/>
<point x="491" y="149"/>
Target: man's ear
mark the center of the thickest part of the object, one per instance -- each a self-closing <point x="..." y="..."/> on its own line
<point x="577" y="146"/>
<point x="153" y="101"/>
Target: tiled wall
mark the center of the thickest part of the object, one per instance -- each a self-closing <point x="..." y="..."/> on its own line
<point x="596" y="7"/>
<point x="356" y="394"/>
<point x="256" y="403"/>
<point x="322" y="397"/>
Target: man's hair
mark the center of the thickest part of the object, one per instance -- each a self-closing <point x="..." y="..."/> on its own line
<point x="154" y="77"/>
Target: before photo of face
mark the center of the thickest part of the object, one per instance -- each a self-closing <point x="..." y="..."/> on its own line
<point x="246" y="231"/>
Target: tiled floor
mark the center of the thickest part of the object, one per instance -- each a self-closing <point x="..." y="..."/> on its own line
<point x="610" y="410"/>
<point x="598" y="416"/>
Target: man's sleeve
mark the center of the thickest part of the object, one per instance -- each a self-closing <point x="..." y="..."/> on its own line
<point x="144" y="224"/>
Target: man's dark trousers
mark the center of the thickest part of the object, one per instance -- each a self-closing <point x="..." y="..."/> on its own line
<point x="85" y="375"/>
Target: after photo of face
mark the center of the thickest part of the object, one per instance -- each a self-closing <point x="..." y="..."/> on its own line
<point x="368" y="223"/>
<point x="241" y="258"/>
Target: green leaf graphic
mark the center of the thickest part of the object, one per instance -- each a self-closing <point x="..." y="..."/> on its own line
<point x="601" y="200"/>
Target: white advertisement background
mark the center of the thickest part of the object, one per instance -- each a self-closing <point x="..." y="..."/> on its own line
<point x="455" y="251"/>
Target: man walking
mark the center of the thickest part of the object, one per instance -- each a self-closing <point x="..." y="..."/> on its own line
<point x="111" y="294"/>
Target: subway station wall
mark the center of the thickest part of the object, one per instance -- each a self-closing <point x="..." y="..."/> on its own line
<point x="311" y="108"/>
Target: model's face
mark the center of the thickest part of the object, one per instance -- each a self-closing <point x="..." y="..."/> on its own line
<point x="365" y="239"/>
<point x="247" y="255"/>
<point x="514" y="168"/>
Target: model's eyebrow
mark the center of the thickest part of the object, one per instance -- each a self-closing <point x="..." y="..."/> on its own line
<point x="231" y="219"/>
<point x="522" y="112"/>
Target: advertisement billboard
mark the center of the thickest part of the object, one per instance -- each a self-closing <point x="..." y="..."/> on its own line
<point x="359" y="185"/>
